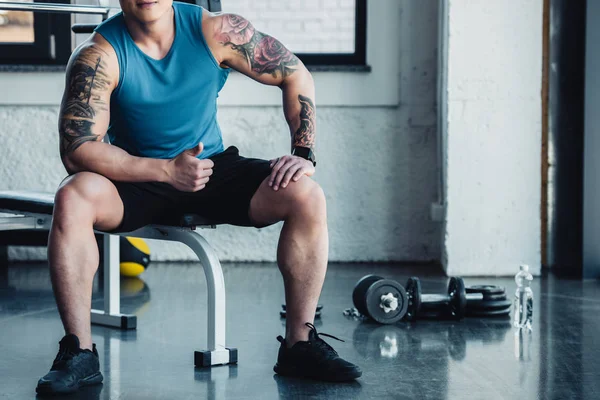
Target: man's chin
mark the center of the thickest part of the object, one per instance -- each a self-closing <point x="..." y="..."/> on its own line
<point x="146" y="16"/>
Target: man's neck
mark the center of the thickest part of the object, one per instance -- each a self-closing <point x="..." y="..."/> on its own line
<point x="153" y="36"/>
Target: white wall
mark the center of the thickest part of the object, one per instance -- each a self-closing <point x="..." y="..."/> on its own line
<point x="493" y="133"/>
<point x="376" y="144"/>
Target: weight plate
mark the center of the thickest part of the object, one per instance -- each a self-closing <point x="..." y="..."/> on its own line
<point x="486" y="289"/>
<point x="483" y="305"/>
<point x="492" y="313"/>
<point x="413" y="290"/>
<point x="486" y="297"/>
<point x="374" y="301"/>
<point x="319" y="307"/>
<point x="458" y="297"/>
<point x="283" y="314"/>
<point x="494" y="297"/>
<point x="359" y="294"/>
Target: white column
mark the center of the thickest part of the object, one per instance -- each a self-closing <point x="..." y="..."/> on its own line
<point x="492" y="128"/>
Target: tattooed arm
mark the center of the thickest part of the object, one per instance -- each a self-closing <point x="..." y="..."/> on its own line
<point x="236" y="44"/>
<point x="92" y="74"/>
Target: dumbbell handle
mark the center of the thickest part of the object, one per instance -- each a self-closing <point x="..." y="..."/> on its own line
<point x="439" y="298"/>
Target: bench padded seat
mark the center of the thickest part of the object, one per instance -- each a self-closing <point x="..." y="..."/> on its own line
<point x="15" y="201"/>
<point x="27" y="202"/>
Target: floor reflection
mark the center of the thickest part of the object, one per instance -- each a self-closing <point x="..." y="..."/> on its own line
<point x="217" y="379"/>
<point x="293" y="388"/>
<point x="448" y="340"/>
<point x="479" y="358"/>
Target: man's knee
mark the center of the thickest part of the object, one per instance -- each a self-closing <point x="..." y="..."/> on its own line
<point x="307" y="199"/>
<point x="76" y="195"/>
<point x="301" y="199"/>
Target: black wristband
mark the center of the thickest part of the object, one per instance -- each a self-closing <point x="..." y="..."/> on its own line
<point x="306" y="153"/>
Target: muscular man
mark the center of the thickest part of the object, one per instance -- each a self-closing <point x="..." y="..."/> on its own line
<point x="149" y="79"/>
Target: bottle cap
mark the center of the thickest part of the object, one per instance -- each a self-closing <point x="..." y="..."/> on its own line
<point x="524" y="267"/>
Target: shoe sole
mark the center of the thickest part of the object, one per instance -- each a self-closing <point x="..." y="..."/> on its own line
<point x="349" y="375"/>
<point x="87" y="381"/>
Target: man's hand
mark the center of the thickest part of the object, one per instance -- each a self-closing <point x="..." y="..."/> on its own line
<point x="188" y="173"/>
<point x="288" y="168"/>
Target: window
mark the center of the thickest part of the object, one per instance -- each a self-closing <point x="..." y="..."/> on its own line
<point x="320" y="32"/>
<point x="16" y="27"/>
<point x="34" y="38"/>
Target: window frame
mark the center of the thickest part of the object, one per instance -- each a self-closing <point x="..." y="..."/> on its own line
<point x="51" y="45"/>
<point x="358" y="58"/>
<point x="47" y="24"/>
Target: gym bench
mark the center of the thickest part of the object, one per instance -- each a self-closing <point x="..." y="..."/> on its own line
<point x="31" y="211"/>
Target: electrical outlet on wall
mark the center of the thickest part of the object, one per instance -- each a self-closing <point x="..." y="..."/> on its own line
<point x="438" y="212"/>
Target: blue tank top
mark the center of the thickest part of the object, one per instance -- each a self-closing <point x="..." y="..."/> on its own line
<point x="163" y="107"/>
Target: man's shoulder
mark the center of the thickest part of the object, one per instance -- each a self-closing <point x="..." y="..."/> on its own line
<point x="193" y="16"/>
<point x="192" y="11"/>
<point x="114" y="22"/>
<point x="98" y="54"/>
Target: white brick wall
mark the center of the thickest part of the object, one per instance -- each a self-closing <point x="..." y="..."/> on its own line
<point x="307" y="26"/>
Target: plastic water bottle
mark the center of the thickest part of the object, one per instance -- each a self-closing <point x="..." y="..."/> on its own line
<point x="523" y="303"/>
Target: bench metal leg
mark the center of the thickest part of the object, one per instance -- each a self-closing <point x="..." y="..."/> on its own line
<point x="111" y="315"/>
<point x="217" y="353"/>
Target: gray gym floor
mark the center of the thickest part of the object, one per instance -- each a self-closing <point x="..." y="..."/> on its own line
<point x="474" y="358"/>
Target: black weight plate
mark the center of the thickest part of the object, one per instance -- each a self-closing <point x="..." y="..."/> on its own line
<point x="319" y="307"/>
<point x="359" y="294"/>
<point x="488" y="305"/>
<point x="283" y="314"/>
<point x="458" y="297"/>
<point x="486" y="289"/>
<point x="373" y="301"/>
<point x="413" y="290"/>
<point x="488" y="297"/>
<point x="494" y="297"/>
<point x="493" y="313"/>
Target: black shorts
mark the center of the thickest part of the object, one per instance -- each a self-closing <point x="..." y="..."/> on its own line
<point x="224" y="200"/>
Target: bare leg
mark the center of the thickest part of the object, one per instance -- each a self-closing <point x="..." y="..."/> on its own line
<point x="84" y="201"/>
<point x="303" y="246"/>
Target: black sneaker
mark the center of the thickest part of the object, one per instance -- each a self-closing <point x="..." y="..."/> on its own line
<point x="314" y="359"/>
<point x="72" y="368"/>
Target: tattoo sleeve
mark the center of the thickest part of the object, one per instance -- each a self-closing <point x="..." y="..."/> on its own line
<point x="305" y="135"/>
<point x="264" y="53"/>
<point x="86" y="80"/>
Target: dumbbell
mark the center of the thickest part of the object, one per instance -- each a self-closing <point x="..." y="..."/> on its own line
<point x="482" y="301"/>
<point x="453" y="304"/>
<point x="383" y="300"/>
